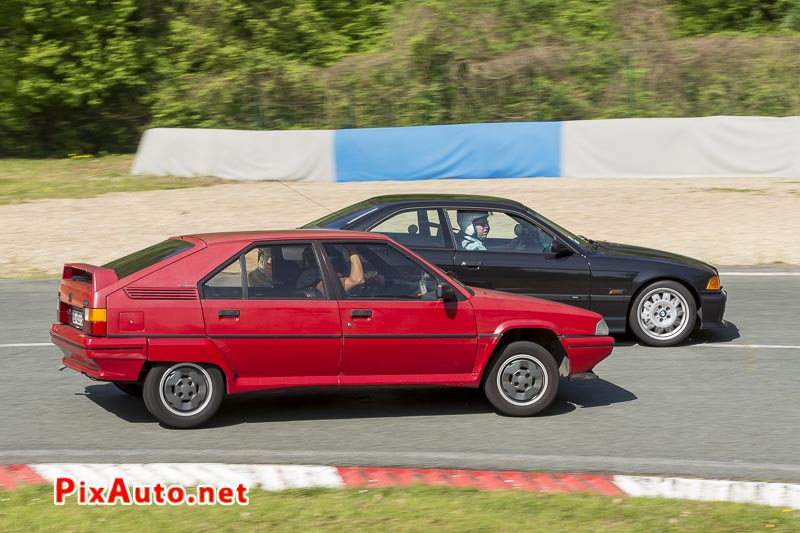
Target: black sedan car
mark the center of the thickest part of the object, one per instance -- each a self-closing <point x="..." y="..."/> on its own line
<point x="500" y="244"/>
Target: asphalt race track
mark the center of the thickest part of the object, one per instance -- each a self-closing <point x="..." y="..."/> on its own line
<point x="724" y="405"/>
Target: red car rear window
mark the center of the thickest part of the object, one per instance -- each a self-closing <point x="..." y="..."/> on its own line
<point x="132" y="263"/>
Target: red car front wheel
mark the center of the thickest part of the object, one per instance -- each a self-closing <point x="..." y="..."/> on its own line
<point x="523" y="380"/>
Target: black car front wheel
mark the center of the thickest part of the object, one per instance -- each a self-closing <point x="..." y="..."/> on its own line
<point x="523" y="380"/>
<point x="183" y="395"/>
<point x="663" y="314"/>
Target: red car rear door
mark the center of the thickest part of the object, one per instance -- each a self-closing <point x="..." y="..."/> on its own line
<point x="273" y="334"/>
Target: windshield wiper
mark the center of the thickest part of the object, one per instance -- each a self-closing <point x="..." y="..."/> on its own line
<point x="592" y="242"/>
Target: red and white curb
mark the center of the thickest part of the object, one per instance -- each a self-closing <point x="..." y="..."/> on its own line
<point x="280" y="477"/>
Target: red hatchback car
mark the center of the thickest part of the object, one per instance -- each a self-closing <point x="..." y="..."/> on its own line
<point x="196" y="317"/>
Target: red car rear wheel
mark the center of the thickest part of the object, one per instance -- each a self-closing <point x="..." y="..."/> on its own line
<point x="183" y="395"/>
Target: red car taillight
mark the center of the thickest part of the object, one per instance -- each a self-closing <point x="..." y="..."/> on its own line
<point x="62" y="310"/>
<point x="94" y="321"/>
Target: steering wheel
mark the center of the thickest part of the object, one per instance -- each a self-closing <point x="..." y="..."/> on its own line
<point x="367" y="289"/>
<point x="527" y="238"/>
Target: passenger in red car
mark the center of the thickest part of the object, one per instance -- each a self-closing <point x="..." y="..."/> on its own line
<point x="262" y="275"/>
<point x="311" y="278"/>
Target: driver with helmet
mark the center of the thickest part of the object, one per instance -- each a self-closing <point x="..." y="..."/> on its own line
<point x="474" y="229"/>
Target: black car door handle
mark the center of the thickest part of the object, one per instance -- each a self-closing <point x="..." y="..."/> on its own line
<point x="361" y="313"/>
<point x="229" y="313"/>
<point x="472" y="264"/>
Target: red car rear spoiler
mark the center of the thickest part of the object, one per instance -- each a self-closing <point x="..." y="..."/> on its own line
<point x="97" y="277"/>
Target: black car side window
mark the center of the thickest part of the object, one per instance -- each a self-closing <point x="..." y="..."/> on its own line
<point x="417" y="228"/>
<point x="528" y="237"/>
<point x="497" y="231"/>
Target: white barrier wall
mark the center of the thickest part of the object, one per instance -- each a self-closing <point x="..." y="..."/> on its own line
<point x="301" y="155"/>
<point x="681" y="147"/>
<point x="639" y="148"/>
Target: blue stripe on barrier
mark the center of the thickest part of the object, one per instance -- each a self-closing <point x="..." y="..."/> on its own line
<point x="504" y="150"/>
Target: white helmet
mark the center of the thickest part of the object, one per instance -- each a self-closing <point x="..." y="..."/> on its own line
<point x="466" y="219"/>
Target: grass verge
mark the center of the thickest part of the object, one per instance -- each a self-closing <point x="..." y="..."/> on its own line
<point x="397" y="509"/>
<point x="23" y="180"/>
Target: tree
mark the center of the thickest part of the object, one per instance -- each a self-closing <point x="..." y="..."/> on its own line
<point x="79" y="72"/>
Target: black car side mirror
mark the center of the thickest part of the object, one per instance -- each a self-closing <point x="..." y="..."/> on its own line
<point x="446" y="292"/>
<point x="559" y="248"/>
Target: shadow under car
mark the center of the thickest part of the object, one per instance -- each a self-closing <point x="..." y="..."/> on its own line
<point x="332" y="403"/>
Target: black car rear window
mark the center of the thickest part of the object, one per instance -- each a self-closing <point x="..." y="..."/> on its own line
<point x="342" y="218"/>
<point x="130" y="264"/>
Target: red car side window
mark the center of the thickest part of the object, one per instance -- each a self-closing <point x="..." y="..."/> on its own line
<point x="388" y="273"/>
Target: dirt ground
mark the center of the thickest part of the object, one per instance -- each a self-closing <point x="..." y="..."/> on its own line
<point x="739" y="221"/>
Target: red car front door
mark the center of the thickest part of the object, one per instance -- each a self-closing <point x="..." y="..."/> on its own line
<point x="394" y="339"/>
<point x="394" y="328"/>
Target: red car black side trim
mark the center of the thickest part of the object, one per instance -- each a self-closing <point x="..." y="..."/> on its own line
<point x="155" y="336"/>
<point x="275" y="336"/>
<point x="410" y="336"/>
<point x="590" y="346"/>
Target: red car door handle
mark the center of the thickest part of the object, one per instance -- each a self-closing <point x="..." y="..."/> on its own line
<point x="229" y="313"/>
<point x="361" y="313"/>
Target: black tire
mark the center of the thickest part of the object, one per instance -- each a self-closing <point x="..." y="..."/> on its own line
<point x="663" y="314"/>
<point x="183" y="395"/>
<point x="536" y="381"/>
<point x="132" y="389"/>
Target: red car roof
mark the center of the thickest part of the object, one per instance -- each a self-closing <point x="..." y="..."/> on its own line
<point x="274" y="235"/>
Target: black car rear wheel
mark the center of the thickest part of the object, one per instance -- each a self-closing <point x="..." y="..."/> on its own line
<point x="663" y="314"/>
<point x="183" y="395"/>
<point x="523" y="380"/>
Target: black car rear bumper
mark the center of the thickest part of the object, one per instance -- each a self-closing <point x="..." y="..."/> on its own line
<point x="712" y="308"/>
